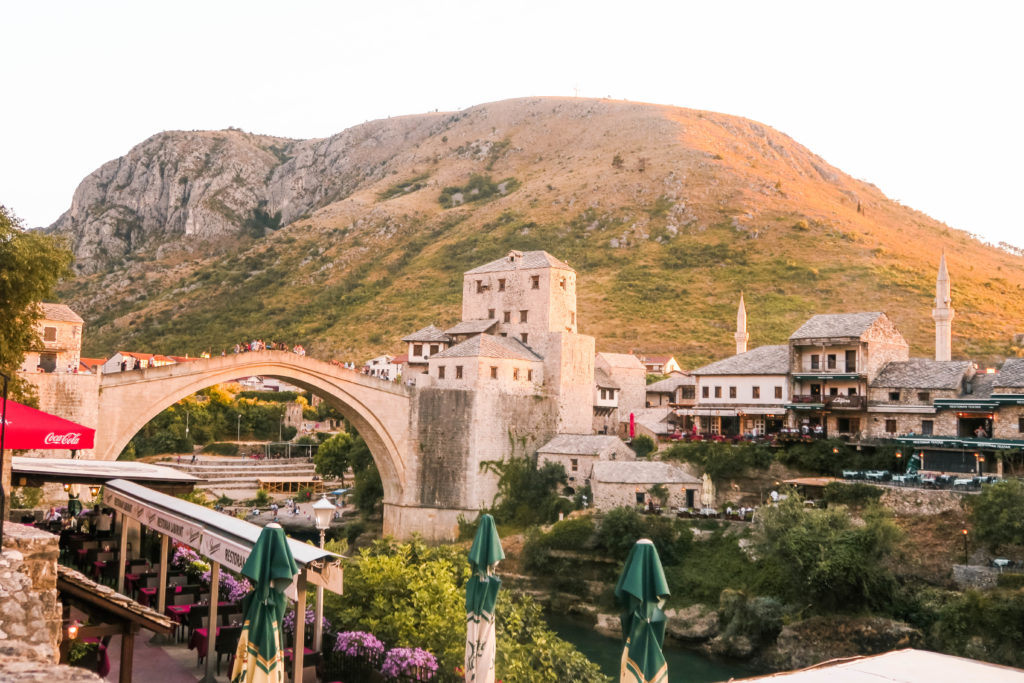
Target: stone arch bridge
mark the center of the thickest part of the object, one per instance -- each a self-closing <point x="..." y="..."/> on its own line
<point x="383" y="413"/>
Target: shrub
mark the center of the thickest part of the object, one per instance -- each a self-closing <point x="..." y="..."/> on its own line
<point x="479" y="188"/>
<point x="857" y="494"/>
<point x="995" y="513"/>
<point x="642" y="445"/>
<point x="720" y="460"/>
<point x="262" y="499"/>
<point x="220" y="448"/>
<point x="622" y="527"/>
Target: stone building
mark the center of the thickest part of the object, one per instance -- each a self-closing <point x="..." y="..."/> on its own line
<point x="59" y="344"/>
<point x="619" y="386"/>
<point x="678" y="390"/>
<point x="578" y="453"/>
<point x="743" y="394"/>
<point x="618" y="484"/>
<point x="833" y="359"/>
<point x="125" y="361"/>
<point x="422" y="345"/>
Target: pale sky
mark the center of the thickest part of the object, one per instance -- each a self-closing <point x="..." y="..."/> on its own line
<point x="923" y="99"/>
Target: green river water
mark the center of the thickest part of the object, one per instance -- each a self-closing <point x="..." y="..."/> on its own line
<point x="684" y="666"/>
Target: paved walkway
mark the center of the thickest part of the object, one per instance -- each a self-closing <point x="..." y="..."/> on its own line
<point x="173" y="663"/>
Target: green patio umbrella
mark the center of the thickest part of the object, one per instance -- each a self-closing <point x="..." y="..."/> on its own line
<point x="260" y="655"/>
<point x="481" y="594"/>
<point x="642" y="591"/>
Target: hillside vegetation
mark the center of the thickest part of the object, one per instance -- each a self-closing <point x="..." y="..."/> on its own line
<point x="347" y="244"/>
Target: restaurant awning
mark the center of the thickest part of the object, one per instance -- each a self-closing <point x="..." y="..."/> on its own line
<point x="27" y="471"/>
<point x="220" y="537"/>
<point x="27" y="428"/>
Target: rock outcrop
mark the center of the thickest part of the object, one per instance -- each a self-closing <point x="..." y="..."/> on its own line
<point x="819" y="639"/>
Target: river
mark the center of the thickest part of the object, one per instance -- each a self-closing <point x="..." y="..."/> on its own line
<point x="684" y="666"/>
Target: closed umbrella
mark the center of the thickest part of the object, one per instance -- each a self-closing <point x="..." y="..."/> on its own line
<point x="260" y="655"/>
<point x="707" y="492"/>
<point x="481" y="595"/>
<point x="642" y="591"/>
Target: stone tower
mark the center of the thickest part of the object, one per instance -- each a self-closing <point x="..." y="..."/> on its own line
<point x="943" y="313"/>
<point x="742" y="336"/>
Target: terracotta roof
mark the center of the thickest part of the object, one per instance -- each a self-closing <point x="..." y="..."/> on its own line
<point x="400" y="359"/>
<point x="91" y="363"/>
<point x="520" y="260"/>
<point x="670" y="383"/>
<point x="59" y="312"/>
<point x="602" y="380"/>
<point x="640" y="472"/>
<point x="1011" y="375"/>
<point x="922" y="373"/>
<point x="621" y="360"/>
<point x="488" y="346"/>
<point x="764" y="360"/>
<point x="582" y="444"/>
<point x="430" y="333"/>
<point x="836" y="325"/>
<point x="472" y="327"/>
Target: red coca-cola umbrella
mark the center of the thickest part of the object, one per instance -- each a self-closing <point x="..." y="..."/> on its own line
<point x="632" y="425"/>
<point x="28" y="428"/>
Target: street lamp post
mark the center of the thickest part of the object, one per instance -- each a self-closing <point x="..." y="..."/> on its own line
<point x="238" y="428"/>
<point x="963" y="532"/>
<point x="187" y="415"/>
<point x="323" y="511"/>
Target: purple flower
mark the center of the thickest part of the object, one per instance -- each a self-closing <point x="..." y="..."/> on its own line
<point x="358" y="643"/>
<point x="289" y="621"/>
<point x="409" y="661"/>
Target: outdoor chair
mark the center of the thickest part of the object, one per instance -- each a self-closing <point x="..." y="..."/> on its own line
<point x="181" y="599"/>
<point x="198" y="617"/>
<point x="227" y="643"/>
<point x="176" y="580"/>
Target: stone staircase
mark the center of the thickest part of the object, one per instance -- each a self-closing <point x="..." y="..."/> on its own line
<point x="238" y="477"/>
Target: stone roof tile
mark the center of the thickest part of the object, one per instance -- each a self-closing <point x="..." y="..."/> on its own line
<point x="764" y="360"/>
<point x="670" y="383"/>
<point x="922" y="373"/>
<point x="430" y="333"/>
<point x="59" y="312"/>
<point x="621" y="360"/>
<point x="520" y="260"/>
<point x="581" y="444"/>
<point x="1011" y="375"/>
<point x="640" y="472"/>
<point x="836" y="325"/>
<point x="472" y="327"/>
<point x="488" y="346"/>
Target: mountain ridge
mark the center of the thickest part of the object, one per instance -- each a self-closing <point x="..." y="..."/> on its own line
<point x="667" y="213"/>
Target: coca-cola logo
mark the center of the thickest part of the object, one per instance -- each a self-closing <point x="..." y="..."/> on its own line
<point x="66" y="439"/>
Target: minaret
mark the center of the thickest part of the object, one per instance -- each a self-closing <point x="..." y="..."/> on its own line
<point x="943" y="313"/>
<point x="742" y="336"/>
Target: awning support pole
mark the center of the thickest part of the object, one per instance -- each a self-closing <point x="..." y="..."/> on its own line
<point x="299" y="647"/>
<point x="211" y="626"/>
<point x="161" y="590"/>
<point x="122" y="553"/>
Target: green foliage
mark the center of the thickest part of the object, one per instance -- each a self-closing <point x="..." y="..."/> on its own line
<point x="333" y="458"/>
<point x="820" y="557"/>
<point x="261" y="221"/>
<point x="569" y="534"/>
<point x="83" y="654"/>
<point x="622" y="527"/>
<point x="714" y="564"/>
<point x="26" y="497"/>
<point x="527" y="494"/>
<point x="758" y="618"/>
<point x="721" y="461"/>
<point x="995" y="513"/>
<point x="982" y="625"/>
<point x="698" y="254"/>
<point x="857" y="493"/>
<point x="404" y="187"/>
<point x="195" y="496"/>
<point x="831" y="456"/>
<point x="269" y="396"/>
<point x="221" y="448"/>
<point x="31" y="263"/>
<point x="369" y="490"/>
<point x="479" y="188"/>
<point x="225" y="500"/>
<point x="643" y="445"/>
<point x="411" y="595"/>
<point x="262" y="498"/>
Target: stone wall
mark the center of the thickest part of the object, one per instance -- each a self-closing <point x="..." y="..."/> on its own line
<point x="974" y="576"/>
<point x="29" y="610"/>
<point x="74" y="397"/>
<point x="913" y="502"/>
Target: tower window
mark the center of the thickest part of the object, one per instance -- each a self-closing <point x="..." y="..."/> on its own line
<point x="755" y="392"/>
<point x="529" y="375"/>
<point x="501" y="284"/>
<point x="49" y="334"/>
<point x="480" y="287"/>
<point x="778" y="392"/>
<point x="515" y="373"/>
<point x="494" y="372"/>
<point x="417" y="349"/>
<point x="458" y="372"/>
<point x="924" y="396"/>
<point x="890" y="426"/>
<point x="535" y="282"/>
<point x="894" y="396"/>
<point x="523" y="315"/>
<point x="440" y="372"/>
<point x="524" y="336"/>
<point x="732" y="392"/>
<point x="508" y="317"/>
<point x="490" y="314"/>
<point x="718" y="392"/>
<point x="705" y="392"/>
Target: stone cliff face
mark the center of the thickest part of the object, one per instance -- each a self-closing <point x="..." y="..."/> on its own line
<point x="178" y="190"/>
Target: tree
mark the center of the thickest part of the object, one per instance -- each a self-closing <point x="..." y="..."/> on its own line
<point x="643" y="445"/>
<point x="995" y="513"/>
<point x="527" y="494"/>
<point x="31" y="264"/>
<point x="821" y="557"/>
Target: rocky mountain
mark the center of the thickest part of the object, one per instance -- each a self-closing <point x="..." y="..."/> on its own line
<point x="195" y="240"/>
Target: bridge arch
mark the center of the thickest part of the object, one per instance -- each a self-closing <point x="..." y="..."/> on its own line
<point x="378" y="409"/>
